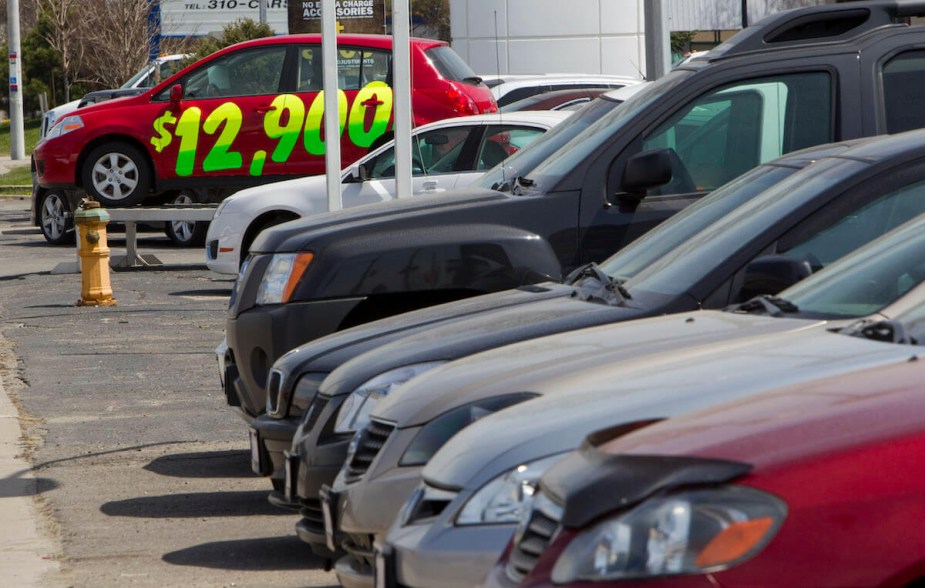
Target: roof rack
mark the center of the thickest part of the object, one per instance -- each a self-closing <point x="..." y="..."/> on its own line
<point x="824" y="24"/>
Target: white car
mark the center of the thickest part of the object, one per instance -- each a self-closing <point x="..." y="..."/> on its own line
<point x="508" y="88"/>
<point x="446" y="154"/>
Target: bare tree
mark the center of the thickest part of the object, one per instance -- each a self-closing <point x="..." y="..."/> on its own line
<point x="118" y="37"/>
<point x="65" y="34"/>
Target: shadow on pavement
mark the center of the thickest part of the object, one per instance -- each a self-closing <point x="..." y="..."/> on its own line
<point x="14" y="486"/>
<point x="204" y="464"/>
<point x="195" y="504"/>
<point x="270" y="553"/>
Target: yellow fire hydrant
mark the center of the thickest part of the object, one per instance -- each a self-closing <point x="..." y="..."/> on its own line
<point x="91" y="221"/>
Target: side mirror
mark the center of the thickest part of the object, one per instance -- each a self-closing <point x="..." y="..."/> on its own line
<point x="771" y="274"/>
<point x="361" y="173"/>
<point x="647" y="170"/>
<point x="176" y="94"/>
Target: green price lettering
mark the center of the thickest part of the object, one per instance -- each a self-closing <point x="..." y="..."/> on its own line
<point x="284" y="121"/>
<point x="228" y="117"/>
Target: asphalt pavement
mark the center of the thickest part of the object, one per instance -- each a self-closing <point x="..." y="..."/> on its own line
<point x="120" y="461"/>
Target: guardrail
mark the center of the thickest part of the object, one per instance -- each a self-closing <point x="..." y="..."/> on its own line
<point x="130" y="217"/>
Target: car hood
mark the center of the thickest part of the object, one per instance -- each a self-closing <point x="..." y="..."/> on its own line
<point x="330" y="351"/>
<point x="533" y="312"/>
<point x="531" y="365"/>
<point x="825" y="416"/>
<point x="575" y="404"/>
<point x="307" y="195"/>
<point x="295" y="235"/>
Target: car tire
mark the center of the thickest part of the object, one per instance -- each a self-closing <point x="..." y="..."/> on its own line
<point x="116" y="174"/>
<point x="186" y="233"/>
<point x="56" y="218"/>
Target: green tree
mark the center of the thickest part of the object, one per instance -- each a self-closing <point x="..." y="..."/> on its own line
<point x="243" y="29"/>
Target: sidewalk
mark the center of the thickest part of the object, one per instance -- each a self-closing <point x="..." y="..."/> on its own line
<point x="7" y="164"/>
<point x="27" y="554"/>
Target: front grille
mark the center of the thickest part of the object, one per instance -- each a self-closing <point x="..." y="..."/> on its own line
<point x="369" y="442"/>
<point x="273" y="391"/>
<point x="212" y="249"/>
<point x="535" y="537"/>
<point x="314" y="411"/>
<point x="360" y="547"/>
<point x="312" y="515"/>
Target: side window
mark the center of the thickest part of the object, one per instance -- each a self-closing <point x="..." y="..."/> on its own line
<point x="730" y="130"/>
<point x="844" y="226"/>
<point x="245" y="73"/>
<point x="903" y="86"/>
<point x="435" y="151"/>
<point x="500" y="142"/>
<point x="358" y="67"/>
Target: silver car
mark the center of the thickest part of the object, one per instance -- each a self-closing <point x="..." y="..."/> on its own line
<point x="408" y="426"/>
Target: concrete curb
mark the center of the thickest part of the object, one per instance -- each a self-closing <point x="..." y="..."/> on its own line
<point x="27" y="555"/>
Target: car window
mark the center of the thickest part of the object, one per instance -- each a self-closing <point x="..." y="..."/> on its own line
<point x="730" y="130"/>
<point x="843" y="226"/>
<point x="253" y="72"/>
<point x="868" y="279"/>
<point x="434" y="151"/>
<point x="903" y="85"/>
<point x="355" y="68"/>
<point x="450" y="65"/>
<point x="500" y="142"/>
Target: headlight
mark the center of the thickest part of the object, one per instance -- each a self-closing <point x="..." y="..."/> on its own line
<point x="506" y="498"/>
<point x="354" y="413"/>
<point x="282" y="276"/>
<point x="302" y="393"/>
<point x="696" y="531"/>
<point x="65" y="126"/>
<point x="438" y="431"/>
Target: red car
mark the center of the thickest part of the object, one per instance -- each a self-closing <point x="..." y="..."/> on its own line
<point x="818" y="485"/>
<point x="248" y="114"/>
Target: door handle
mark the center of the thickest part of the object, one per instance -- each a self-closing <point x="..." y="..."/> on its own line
<point x="430" y="185"/>
<point x="264" y="108"/>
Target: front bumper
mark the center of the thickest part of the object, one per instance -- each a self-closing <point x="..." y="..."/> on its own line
<point x="447" y="556"/>
<point x="224" y="237"/>
<point x="56" y="162"/>
<point x="276" y="436"/>
<point x="260" y="335"/>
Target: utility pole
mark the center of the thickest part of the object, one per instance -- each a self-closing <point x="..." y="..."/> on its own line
<point x="263" y="10"/>
<point x="332" y="157"/>
<point x="17" y="130"/>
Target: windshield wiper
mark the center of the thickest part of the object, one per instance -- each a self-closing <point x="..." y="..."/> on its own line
<point x="888" y="331"/>
<point x="592" y="284"/>
<point x="772" y="305"/>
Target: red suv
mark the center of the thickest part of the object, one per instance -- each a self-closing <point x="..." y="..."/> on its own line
<point x="249" y="114"/>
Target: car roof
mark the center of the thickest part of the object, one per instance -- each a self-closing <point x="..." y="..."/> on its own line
<point x="501" y="85"/>
<point x="546" y="117"/>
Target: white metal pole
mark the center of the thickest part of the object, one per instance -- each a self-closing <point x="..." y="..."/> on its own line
<point x="17" y="130"/>
<point x="401" y="88"/>
<point x="331" y="112"/>
<point x="262" y="11"/>
<point x="658" y="42"/>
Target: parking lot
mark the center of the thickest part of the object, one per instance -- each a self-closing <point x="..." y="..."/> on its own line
<point x="141" y="469"/>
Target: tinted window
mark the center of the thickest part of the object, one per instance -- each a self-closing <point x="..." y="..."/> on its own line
<point x="731" y="130"/>
<point x="252" y="72"/>
<point x="355" y="68"/>
<point x="867" y="280"/>
<point x="435" y="151"/>
<point x="903" y="87"/>
<point x="500" y="142"/>
<point x="450" y="64"/>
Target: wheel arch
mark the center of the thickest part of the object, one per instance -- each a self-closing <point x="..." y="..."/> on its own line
<point x="112" y="138"/>
<point x="262" y="221"/>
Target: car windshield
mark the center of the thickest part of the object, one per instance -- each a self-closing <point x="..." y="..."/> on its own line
<point x="670" y="259"/>
<point x="867" y="280"/>
<point x="518" y="165"/>
<point x="450" y="65"/>
<point x="546" y="169"/>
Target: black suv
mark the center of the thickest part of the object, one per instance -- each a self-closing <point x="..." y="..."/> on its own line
<point x="795" y="79"/>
